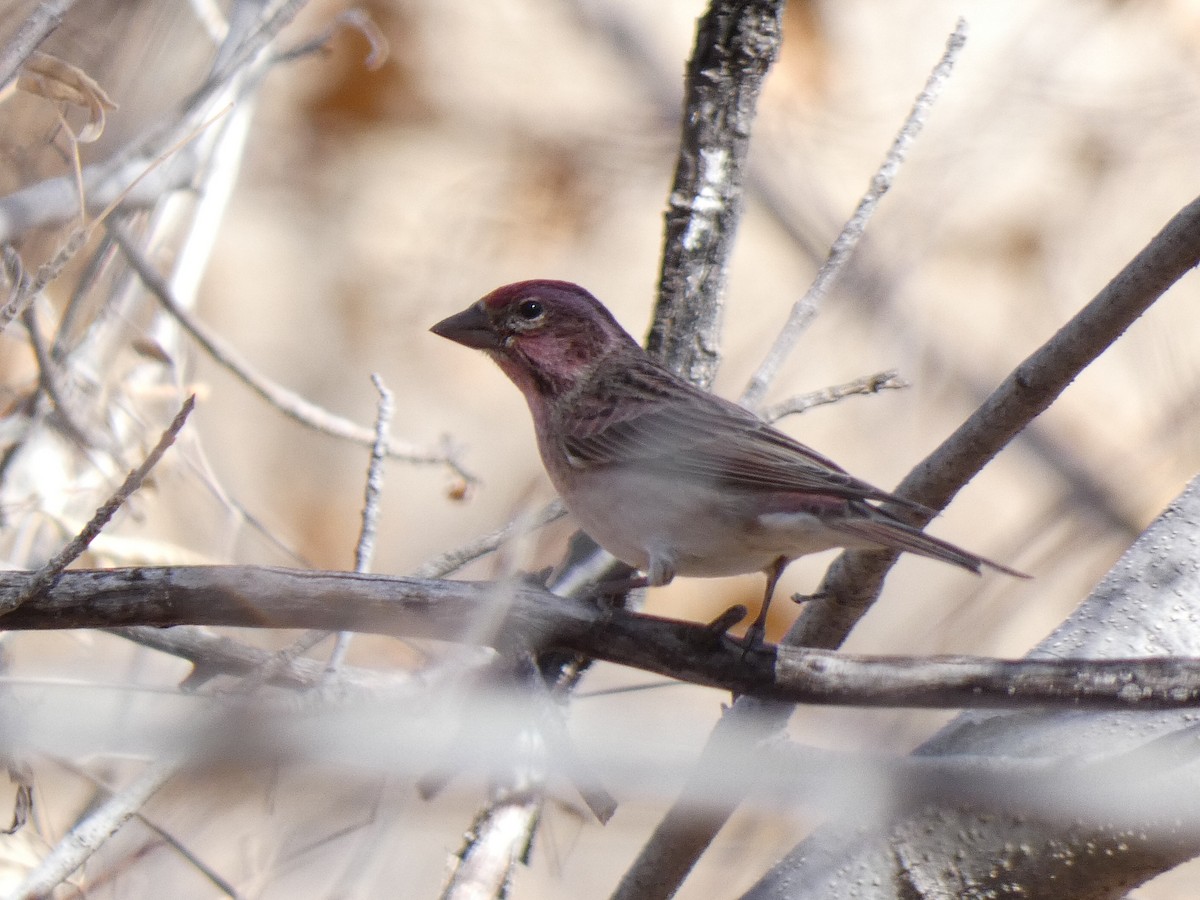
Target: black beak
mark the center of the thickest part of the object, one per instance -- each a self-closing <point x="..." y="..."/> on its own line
<point x="471" y="328"/>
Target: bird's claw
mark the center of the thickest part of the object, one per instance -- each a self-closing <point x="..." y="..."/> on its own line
<point x="754" y="639"/>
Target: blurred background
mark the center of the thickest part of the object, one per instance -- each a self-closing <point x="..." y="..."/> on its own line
<point x="522" y="138"/>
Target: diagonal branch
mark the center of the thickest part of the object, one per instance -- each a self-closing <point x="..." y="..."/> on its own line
<point x="42" y="21"/>
<point x="855" y="579"/>
<point x="45" y="576"/>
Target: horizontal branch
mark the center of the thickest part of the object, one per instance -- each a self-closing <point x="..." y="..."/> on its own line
<point x="522" y="616"/>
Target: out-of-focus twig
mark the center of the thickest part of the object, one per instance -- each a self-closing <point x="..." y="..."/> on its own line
<point x="93" y="830"/>
<point x="41" y="22"/>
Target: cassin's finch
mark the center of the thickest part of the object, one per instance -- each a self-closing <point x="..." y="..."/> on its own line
<point x="667" y="477"/>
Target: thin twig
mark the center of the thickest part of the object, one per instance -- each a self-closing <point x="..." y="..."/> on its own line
<point x="48" y="379"/>
<point x="868" y="384"/>
<point x="46" y="575"/>
<point x="804" y="311"/>
<point x="453" y="560"/>
<point x="287" y="402"/>
<point x="364" y="552"/>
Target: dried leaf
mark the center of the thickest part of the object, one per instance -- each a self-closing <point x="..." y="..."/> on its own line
<point x="56" y="80"/>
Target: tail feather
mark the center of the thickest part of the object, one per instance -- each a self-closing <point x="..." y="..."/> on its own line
<point x="893" y="534"/>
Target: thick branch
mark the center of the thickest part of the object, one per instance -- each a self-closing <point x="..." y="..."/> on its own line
<point x="1141" y="607"/>
<point x="522" y="616"/>
<point x="736" y="42"/>
<point x="854" y="580"/>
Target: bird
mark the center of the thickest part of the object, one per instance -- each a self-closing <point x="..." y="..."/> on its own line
<point x="667" y="477"/>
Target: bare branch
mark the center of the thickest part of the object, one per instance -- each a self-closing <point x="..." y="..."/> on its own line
<point x="868" y="384"/>
<point x="52" y="569"/>
<point x="804" y="311"/>
<point x="257" y="597"/>
<point x="41" y="22"/>
<point x="854" y="580"/>
<point x="287" y="402"/>
<point x="736" y="43"/>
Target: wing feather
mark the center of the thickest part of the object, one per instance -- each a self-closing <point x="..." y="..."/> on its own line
<point x="645" y="417"/>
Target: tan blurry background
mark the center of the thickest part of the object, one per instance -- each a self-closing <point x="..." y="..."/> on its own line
<point x="524" y="138"/>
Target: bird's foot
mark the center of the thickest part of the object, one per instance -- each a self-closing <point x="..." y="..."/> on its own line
<point x="754" y="638"/>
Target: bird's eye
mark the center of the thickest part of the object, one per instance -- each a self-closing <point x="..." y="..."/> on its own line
<point x="530" y="310"/>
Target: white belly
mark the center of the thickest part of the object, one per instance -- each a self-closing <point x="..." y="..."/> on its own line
<point x="691" y="528"/>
